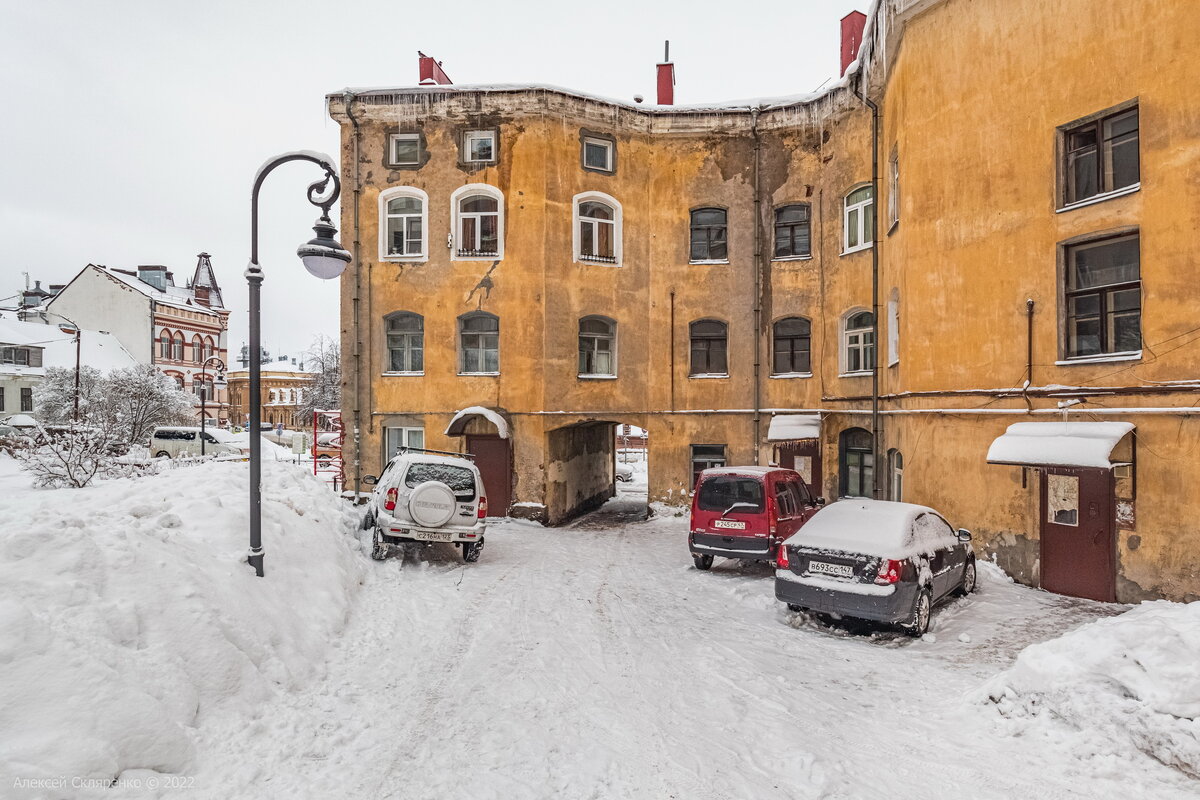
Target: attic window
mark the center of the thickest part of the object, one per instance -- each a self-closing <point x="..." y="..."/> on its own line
<point x="404" y="149"/>
<point x="479" y="147"/>
<point x="598" y="154"/>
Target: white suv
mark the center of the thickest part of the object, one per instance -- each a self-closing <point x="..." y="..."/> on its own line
<point x="424" y="497"/>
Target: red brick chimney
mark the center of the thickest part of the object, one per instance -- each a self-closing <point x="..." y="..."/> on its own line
<point x="430" y="72"/>
<point x="666" y="79"/>
<point x="852" y="34"/>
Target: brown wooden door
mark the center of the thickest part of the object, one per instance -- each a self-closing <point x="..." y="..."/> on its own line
<point x="493" y="456"/>
<point x="1078" y="532"/>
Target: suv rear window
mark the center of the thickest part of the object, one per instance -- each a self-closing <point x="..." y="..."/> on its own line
<point x="719" y="492"/>
<point x="460" y="479"/>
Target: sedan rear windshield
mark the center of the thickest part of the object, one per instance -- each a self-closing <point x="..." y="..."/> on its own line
<point x="720" y="492"/>
<point x="460" y="479"/>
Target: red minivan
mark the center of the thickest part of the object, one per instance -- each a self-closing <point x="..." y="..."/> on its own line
<point x="745" y="512"/>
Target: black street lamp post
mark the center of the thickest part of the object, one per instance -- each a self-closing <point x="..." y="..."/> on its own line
<point x="325" y="258"/>
<point x="220" y="367"/>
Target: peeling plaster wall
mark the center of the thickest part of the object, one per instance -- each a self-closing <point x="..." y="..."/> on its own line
<point x="579" y="472"/>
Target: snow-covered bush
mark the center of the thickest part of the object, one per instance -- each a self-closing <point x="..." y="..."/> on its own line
<point x="72" y="457"/>
<point x="128" y="613"/>
<point x="1115" y="686"/>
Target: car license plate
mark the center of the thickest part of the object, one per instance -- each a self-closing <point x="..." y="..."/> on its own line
<point x="433" y="536"/>
<point x="825" y="568"/>
<point x="730" y="524"/>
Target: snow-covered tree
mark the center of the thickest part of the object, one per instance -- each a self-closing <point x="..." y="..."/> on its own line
<point x="324" y="358"/>
<point x="72" y="457"/>
<point x="54" y="397"/>
<point x="140" y="398"/>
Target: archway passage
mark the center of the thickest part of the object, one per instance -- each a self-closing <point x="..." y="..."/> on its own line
<point x="586" y="470"/>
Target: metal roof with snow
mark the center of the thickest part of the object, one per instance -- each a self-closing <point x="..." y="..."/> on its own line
<point x="1058" y="444"/>
<point x="791" y="427"/>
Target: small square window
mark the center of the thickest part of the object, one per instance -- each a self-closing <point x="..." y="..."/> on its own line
<point x="480" y="146"/>
<point x="597" y="154"/>
<point x="406" y="149"/>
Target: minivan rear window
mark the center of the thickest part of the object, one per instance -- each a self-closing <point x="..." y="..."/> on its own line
<point x="719" y="492"/>
<point x="460" y="479"/>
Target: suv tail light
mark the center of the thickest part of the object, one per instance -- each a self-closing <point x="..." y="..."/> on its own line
<point x="389" y="504"/>
<point x="482" y="507"/>
<point x="781" y="560"/>
<point x="890" y="571"/>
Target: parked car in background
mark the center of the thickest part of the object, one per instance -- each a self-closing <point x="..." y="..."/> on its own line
<point x="875" y="560"/>
<point x="623" y="472"/>
<point x="745" y="512"/>
<point x="423" y="496"/>
<point x="172" y="441"/>
<point x="328" y="445"/>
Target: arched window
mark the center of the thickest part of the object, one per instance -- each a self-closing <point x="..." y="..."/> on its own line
<point x="164" y="344"/>
<point x="597" y="346"/>
<point x="858" y="220"/>
<point x="793" y="233"/>
<point x="197" y="349"/>
<point x="177" y="347"/>
<point x="709" y="235"/>
<point x="858" y="342"/>
<point x="856" y="476"/>
<point x="478" y="222"/>
<point x="792" y="346"/>
<point x="597" y="228"/>
<point x="479" y="343"/>
<point x="209" y="347"/>
<point x="403" y="224"/>
<point x="895" y="475"/>
<point x="709" y="338"/>
<point x="405" y="333"/>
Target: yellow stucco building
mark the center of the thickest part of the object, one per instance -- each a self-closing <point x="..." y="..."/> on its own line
<point x="874" y="298"/>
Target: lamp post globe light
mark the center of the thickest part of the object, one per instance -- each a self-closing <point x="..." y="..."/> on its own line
<point x="325" y="259"/>
<point x="219" y="366"/>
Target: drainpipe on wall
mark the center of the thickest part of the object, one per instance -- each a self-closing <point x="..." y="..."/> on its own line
<point x="876" y="472"/>
<point x="356" y="412"/>
<point x="758" y="282"/>
<point x="1028" y="351"/>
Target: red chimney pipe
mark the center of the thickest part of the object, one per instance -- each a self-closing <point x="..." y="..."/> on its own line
<point x="430" y="72"/>
<point x="666" y="79"/>
<point x="852" y="34"/>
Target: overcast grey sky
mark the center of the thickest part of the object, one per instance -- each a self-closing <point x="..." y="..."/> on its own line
<point x="132" y="130"/>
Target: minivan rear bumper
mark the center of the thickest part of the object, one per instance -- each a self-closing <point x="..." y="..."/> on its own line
<point x="747" y="548"/>
<point x="893" y="608"/>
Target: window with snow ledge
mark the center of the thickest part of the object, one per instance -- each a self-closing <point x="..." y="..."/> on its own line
<point x="405" y="150"/>
<point x="597" y="347"/>
<point x="597" y="227"/>
<point x="1099" y="156"/>
<point x="478" y="222"/>
<point x="709" y="346"/>
<point x="480" y="147"/>
<point x="893" y="333"/>
<point x="597" y="152"/>
<point x="405" y="334"/>
<point x="793" y="232"/>
<point x="791" y="347"/>
<point x="709" y="236"/>
<point x="858" y="343"/>
<point x="479" y="344"/>
<point x="1102" y="295"/>
<point x="858" y="220"/>
<point x="403" y="224"/>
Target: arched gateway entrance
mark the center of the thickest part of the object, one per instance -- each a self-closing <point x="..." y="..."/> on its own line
<point x="487" y="437"/>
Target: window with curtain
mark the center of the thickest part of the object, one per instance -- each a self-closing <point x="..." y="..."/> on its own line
<point x="792" y="345"/>
<point x="478" y="226"/>
<point x="597" y="232"/>
<point x="404" y="222"/>
<point x="479" y="343"/>
<point x="709" y="340"/>
<point x="597" y="346"/>
<point x="709" y="235"/>
<point x="858" y="342"/>
<point x="405" y="333"/>
<point x="793" y="231"/>
<point x="1101" y="156"/>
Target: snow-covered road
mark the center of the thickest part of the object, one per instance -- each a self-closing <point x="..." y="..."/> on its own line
<point x="595" y="662"/>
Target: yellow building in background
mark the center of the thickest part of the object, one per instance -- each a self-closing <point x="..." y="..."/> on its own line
<point x="874" y="298"/>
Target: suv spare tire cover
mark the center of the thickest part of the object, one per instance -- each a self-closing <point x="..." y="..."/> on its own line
<point x="431" y="504"/>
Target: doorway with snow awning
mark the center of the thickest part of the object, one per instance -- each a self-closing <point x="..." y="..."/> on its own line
<point x="486" y="434"/>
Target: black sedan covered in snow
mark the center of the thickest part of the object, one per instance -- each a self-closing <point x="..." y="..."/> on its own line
<point x="875" y="560"/>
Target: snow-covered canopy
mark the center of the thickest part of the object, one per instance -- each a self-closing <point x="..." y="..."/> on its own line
<point x="458" y="425"/>
<point x="1062" y="444"/>
<point x="876" y="528"/>
<point x="790" y="427"/>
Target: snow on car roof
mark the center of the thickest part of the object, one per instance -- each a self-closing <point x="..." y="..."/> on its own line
<point x="874" y="527"/>
<point x="430" y="458"/>
<point x="741" y="470"/>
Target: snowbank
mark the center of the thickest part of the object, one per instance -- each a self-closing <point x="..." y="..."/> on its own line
<point x="270" y="450"/>
<point x="1129" y="681"/>
<point x="127" y="612"/>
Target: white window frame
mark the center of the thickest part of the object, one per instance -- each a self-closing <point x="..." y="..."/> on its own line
<point x="471" y="136"/>
<point x="405" y="435"/>
<point x="893" y="332"/>
<point x="893" y="189"/>
<point x="391" y="194"/>
<point x="408" y="137"/>
<point x="844" y="345"/>
<point x="456" y="215"/>
<point x="613" y="345"/>
<point x="608" y="146"/>
<point x="459" y="349"/>
<point x="618" y="227"/>
<point x="863" y="208"/>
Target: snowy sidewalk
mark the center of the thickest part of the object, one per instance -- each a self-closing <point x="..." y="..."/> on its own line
<point x="597" y="663"/>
